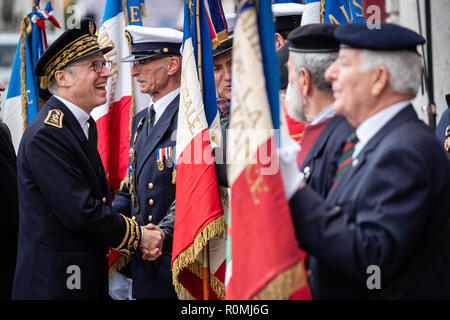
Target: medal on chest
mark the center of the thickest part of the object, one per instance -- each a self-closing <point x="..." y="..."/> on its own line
<point x="160" y="159"/>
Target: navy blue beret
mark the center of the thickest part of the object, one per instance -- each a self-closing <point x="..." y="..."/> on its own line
<point x="388" y="37"/>
<point x="315" y="37"/>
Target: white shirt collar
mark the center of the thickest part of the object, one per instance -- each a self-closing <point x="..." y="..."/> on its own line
<point x="162" y="103"/>
<point x="81" y="115"/>
<point x="325" y="114"/>
<point x="370" y="127"/>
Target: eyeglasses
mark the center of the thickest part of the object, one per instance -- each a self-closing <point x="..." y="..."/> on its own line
<point x="97" y="65"/>
<point x="140" y="63"/>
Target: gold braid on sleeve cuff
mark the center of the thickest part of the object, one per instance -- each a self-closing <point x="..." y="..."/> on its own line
<point x="132" y="238"/>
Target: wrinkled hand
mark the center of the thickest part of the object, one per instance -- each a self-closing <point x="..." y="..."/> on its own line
<point x="151" y="242"/>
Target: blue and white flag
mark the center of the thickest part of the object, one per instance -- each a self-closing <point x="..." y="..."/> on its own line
<point x="22" y="100"/>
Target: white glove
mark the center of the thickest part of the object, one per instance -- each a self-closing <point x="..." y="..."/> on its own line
<point x="290" y="173"/>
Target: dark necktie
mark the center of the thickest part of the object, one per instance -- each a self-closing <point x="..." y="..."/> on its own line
<point x="92" y="133"/>
<point x="151" y="118"/>
<point x="345" y="160"/>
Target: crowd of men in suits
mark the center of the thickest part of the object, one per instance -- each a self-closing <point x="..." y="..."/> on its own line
<point x="368" y="185"/>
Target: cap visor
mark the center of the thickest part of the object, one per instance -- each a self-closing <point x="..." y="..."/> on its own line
<point x="137" y="57"/>
<point x="103" y="50"/>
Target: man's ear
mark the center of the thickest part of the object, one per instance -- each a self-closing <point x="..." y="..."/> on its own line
<point x="62" y="78"/>
<point x="279" y="41"/>
<point x="174" y="65"/>
<point x="380" y="80"/>
<point x="304" y="81"/>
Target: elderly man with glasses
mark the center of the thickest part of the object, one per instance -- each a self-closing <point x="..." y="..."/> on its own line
<point x="149" y="189"/>
<point x="66" y="221"/>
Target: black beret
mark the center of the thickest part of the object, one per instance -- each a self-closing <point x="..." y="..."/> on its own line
<point x="75" y="43"/>
<point x="388" y="37"/>
<point x="314" y="38"/>
<point x="283" y="57"/>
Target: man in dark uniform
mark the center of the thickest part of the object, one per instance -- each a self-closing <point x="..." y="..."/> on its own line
<point x="310" y="98"/>
<point x="150" y="189"/>
<point x="380" y="232"/>
<point x="66" y="222"/>
<point x="9" y="216"/>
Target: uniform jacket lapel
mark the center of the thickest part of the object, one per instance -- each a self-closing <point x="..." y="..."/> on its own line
<point x="72" y="123"/>
<point x="156" y="134"/>
<point x="404" y="116"/>
<point x="321" y="141"/>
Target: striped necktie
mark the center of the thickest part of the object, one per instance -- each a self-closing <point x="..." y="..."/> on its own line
<point x="345" y="160"/>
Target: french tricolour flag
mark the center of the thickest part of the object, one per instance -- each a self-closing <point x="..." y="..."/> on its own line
<point x="262" y="259"/>
<point x="199" y="212"/>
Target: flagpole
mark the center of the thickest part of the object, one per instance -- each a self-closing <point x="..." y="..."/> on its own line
<point x="205" y="264"/>
<point x="205" y="250"/>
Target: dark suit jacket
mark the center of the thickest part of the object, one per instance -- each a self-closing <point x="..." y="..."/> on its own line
<point x="9" y="216"/>
<point x="65" y="217"/>
<point x="389" y="209"/>
<point x="151" y="280"/>
<point x="320" y="164"/>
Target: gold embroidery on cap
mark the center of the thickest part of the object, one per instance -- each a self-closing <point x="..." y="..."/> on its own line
<point x="91" y="28"/>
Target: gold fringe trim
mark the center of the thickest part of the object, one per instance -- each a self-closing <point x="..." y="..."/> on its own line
<point x="44" y="82"/>
<point x="284" y="284"/>
<point x="185" y="295"/>
<point x="143" y="10"/>
<point x="188" y="257"/>
<point x="125" y="11"/>
<point x="322" y="11"/>
<point x="118" y="265"/>
<point x="222" y="35"/>
<point x="23" y="84"/>
<point x="216" y="285"/>
<point x="214" y="43"/>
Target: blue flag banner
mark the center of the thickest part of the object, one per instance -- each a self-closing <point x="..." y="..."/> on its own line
<point x="343" y="11"/>
<point x="22" y="100"/>
<point x="333" y="11"/>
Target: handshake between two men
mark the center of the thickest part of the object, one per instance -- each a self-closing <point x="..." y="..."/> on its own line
<point x="152" y="240"/>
